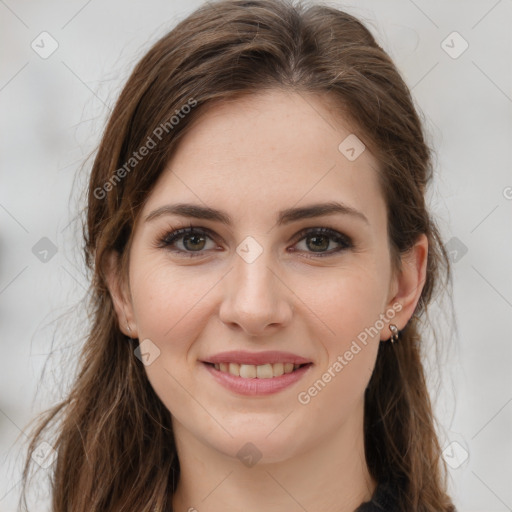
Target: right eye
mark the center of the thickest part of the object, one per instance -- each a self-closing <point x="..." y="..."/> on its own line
<point x="192" y="239"/>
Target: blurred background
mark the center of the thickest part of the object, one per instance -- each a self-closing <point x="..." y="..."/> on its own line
<point x="63" y="65"/>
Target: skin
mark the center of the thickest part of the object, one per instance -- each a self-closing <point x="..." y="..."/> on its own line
<point x="251" y="158"/>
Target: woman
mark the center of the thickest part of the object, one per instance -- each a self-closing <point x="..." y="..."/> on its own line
<point x="261" y="255"/>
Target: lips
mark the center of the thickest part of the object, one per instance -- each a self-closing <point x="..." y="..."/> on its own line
<point x="256" y="358"/>
<point x="256" y="373"/>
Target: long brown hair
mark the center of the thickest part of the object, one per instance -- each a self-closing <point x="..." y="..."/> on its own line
<point x="114" y="440"/>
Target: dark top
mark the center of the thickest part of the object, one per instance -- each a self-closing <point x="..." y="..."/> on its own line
<point x="383" y="500"/>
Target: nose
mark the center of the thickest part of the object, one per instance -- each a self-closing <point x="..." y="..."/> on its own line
<point x="256" y="300"/>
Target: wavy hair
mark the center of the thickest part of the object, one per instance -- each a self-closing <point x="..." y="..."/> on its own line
<point x="113" y="436"/>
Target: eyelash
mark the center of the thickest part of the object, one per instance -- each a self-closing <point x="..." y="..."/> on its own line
<point x="169" y="238"/>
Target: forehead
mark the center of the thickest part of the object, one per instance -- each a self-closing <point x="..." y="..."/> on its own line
<point x="266" y="152"/>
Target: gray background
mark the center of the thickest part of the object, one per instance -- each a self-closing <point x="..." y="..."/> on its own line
<point x="53" y="111"/>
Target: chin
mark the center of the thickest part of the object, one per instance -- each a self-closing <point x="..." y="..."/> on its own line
<point x="256" y="441"/>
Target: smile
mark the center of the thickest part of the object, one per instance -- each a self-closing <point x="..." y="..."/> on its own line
<point x="256" y="373"/>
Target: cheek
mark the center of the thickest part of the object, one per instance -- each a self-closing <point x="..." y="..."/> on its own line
<point x="165" y="298"/>
<point x="170" y="310"/>
<point x="349" y="305"/>
<point x="349" y="299"/>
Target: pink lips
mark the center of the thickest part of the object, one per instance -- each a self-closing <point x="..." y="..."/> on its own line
<point x="255" y="387"/>
<point x="257" y="358"/>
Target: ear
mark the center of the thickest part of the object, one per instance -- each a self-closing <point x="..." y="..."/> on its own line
<point x="407" y="284"/>
<point x="119" y="291"/>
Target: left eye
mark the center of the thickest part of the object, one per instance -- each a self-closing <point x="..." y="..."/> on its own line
<point x="321" y="238"/>
<point x="194" y="240"/>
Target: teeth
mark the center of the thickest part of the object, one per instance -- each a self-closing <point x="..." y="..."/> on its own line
<point x="288" y="367"/>
<point x="248" y="371"/>
<point x="277" y="369"/>
<point x="263" y="371"/>
<point x="251" y="371"/>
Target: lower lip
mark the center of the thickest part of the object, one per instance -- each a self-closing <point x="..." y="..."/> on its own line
<point x="254" y="387"/>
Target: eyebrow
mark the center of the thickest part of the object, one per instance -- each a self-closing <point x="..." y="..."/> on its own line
<point x="284" y="216"/>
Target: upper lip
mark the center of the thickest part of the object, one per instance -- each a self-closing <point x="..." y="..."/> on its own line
<point x="256" y="358"/>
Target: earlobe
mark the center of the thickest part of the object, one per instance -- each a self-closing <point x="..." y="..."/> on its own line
<point x="120" y="296"/>
<point x="409" y="282"/>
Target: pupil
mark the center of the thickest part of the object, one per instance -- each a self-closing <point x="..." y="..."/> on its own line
<point x="188" y="238"/>
<point x="320" y="245"/>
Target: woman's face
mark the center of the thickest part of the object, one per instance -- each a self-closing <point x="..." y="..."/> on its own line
<point x="248" y="280"/>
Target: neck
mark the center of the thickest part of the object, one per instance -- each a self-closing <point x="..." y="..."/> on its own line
<point x="332" y="475"/>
